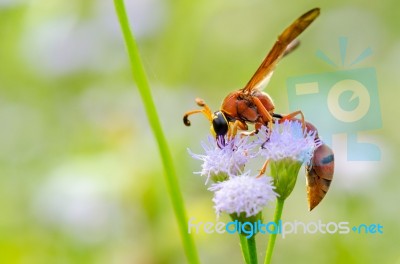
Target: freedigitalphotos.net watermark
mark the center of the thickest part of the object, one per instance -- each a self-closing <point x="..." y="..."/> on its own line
<point x="282" y="228"/>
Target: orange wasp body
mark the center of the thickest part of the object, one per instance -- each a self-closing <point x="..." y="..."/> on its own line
<point x="251" y="105"/>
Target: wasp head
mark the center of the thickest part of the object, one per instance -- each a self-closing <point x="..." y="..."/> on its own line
<point x="219" y="127"/>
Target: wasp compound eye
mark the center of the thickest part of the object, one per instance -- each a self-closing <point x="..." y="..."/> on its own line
<point x="220" y="124"/>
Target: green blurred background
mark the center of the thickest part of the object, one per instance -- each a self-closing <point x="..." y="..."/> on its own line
<point x="81" y="179"/>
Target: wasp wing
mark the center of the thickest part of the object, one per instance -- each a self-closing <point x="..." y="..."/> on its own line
<point x="286" y="43"/>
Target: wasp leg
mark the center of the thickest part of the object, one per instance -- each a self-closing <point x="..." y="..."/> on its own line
<point x="235" y="126"/>
<point x="263" y="169"/>
<point x="266" y="116"/>
<point x="292" y="115"/>
<point x="248" y="133"/>
<point x="257" y="127"/>
<point x="206" y="111"/>
<point x="269" y="131"/>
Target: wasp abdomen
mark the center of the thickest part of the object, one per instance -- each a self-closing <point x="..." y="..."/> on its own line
<point x="319" y="175"/>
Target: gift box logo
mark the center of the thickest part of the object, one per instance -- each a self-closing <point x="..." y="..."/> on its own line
<point x="343" y="101"/>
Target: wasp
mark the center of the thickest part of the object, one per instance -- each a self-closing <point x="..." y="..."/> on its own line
<point x="250" y="105"/>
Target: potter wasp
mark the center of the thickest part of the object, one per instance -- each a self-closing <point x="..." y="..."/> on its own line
<point x="250" y="105"/>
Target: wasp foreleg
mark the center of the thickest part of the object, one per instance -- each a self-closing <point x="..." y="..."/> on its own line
<point x="237" y="124"/>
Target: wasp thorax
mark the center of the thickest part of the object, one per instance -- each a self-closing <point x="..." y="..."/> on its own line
<point x="220" y="124"/>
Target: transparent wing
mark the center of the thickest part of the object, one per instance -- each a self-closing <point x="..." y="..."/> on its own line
<point x="286" y="43"/>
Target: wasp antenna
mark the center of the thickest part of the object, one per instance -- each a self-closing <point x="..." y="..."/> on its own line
<point x="200" y="102"/>
<point x="187" y="114"/>
<point x="186" y="120"/>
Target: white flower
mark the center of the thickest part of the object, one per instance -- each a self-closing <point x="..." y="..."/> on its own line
<point x="243" y="194"/>
<point x="228" y="160"/>
<point x="287" y="140"/>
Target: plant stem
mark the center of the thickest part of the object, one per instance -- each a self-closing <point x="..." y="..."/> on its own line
<point x="249" y="249"/>
<point x="252" y="249"/>
<point x="140" y="78"/>
<point x="245" y="248"/>
<point x="272" y="237"/>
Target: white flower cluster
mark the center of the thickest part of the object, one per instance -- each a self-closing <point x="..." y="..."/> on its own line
<point x="241" y="192"/>
<point x="229" y="159"/>
<point x="287" y="140"/>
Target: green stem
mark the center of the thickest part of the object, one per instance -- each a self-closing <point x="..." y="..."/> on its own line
<point x="140" y="78"/>
<point x="245" y="248"/>
<point x="252" y="249"/>
<point x="249" y="249"/>
<point x="272" y="237"/>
